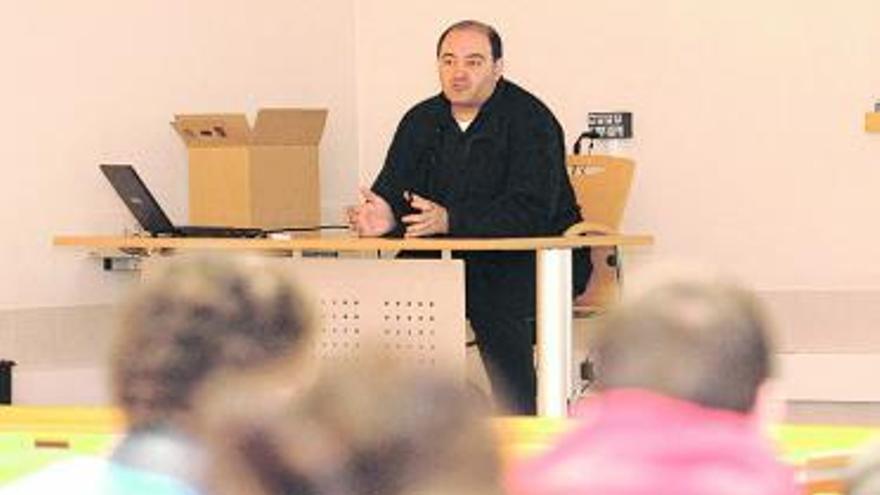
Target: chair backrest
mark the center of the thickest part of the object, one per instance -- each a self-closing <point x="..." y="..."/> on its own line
<point x="601" y="184"/>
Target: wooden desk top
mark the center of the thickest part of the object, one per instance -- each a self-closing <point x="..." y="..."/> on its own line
<point x="346" y="242"/>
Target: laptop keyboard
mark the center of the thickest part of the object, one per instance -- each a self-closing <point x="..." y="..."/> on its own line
<point x="218" y="231"/>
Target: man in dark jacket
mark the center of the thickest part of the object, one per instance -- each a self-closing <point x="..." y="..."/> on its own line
<point x="484" y="158"/>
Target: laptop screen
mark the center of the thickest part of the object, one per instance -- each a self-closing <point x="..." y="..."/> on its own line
<point x="138" y="199"/>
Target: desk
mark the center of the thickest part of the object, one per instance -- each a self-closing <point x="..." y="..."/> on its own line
<point x="32" y="437"/>
<point x="554" y="297"/>
<point x="820" y="454"/>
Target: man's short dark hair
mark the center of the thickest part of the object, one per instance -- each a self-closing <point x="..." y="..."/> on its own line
<point x="698" y="340"/>
<point x="489" y="31"/>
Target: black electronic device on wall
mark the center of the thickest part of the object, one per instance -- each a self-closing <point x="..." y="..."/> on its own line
<point x="610" y="125"/>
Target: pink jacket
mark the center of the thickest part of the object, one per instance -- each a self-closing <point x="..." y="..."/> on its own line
<point x="634" y="442"/>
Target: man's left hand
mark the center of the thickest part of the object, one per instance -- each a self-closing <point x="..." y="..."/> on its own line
<point x="431" y="218"/>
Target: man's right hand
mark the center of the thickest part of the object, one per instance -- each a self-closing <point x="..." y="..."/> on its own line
<point x="373" y="217"/>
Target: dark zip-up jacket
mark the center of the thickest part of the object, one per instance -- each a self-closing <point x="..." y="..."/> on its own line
<point x="504" y="176"/>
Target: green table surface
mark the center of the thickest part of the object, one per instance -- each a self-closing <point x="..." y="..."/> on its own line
<point x="32" y="438"/>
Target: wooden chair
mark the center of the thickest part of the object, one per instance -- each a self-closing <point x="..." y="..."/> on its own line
<point x="601" y="184"/>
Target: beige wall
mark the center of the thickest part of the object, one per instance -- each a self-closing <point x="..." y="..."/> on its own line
<point x="748" y="138"/>
<point x="748" y="116"/>
<point x="98" y="81"/>
<point x="748" y="123"/>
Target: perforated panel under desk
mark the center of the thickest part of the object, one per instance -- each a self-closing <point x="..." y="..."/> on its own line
<point x="409" y="310"/>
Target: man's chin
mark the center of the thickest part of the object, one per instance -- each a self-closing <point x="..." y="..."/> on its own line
<point x="458" y="98"/>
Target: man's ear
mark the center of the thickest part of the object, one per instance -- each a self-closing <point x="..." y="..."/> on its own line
<point x="498" y="68"/>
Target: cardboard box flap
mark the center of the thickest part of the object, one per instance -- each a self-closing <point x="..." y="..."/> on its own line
<point x="229" y="129"/>
<point x="289" y="126"/>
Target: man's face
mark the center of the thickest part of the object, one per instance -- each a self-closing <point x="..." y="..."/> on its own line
<point x="468" y="74"/>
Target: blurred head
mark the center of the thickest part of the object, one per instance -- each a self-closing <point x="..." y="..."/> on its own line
<point x="469" y="64"/>
<point x="700" y="339"/>
<point x="196" y="318"/>
<point x="358" y="430"/>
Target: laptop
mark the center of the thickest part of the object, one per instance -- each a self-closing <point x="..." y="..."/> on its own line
<point x="134" y="193"/>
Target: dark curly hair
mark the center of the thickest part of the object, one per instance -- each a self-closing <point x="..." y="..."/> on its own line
<point x="198" y="316"/>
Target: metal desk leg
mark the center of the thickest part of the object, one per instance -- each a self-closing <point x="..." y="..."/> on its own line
<point x="554" y="330"/>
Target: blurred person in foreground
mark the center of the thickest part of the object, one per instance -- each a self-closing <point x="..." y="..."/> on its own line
<point x="682" y="380"/>
<point x="362" y="429"/>
<point x="197" y="318"/>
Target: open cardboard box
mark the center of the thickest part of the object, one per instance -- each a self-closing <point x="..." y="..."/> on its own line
<point x="265" y="176"/>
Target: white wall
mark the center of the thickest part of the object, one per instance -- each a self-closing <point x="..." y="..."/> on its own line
<point x="748" y="116"/>
<point x="749" y="139"/>
<point x="748" y="123"/>
<point x="99" y="80"/>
